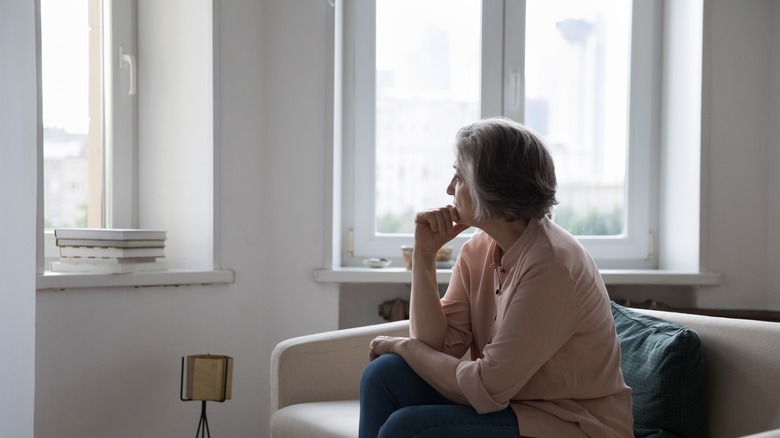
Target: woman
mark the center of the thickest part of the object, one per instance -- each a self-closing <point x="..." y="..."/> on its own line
<point x="525" y="299"/>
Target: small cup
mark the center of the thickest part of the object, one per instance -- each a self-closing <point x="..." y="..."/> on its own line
<point x="444" y="254"/>
<point x="406" y="251"/>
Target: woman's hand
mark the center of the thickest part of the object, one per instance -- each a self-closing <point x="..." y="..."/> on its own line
<point x="435" y="227"/>
<point x="384" y="345"/>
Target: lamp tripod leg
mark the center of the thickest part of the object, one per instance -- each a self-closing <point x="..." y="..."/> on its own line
<point x="203" y="424"/>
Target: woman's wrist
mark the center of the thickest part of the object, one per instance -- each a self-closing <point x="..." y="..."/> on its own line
<point x="424" y="261"/>
<point x="423" y="256"/>
<point x="404" y="347"/>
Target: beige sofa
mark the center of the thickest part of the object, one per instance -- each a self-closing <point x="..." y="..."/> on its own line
<point x="315" y="379"/>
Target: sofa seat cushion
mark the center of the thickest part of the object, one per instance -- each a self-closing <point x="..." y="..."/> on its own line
<point x="662" y="362"/>
<point x="327" y="419"/>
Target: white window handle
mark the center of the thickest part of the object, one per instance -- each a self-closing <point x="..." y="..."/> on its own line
<point x="129" y="60"/>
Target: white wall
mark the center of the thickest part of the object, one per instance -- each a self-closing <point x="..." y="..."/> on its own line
<point x="681" y="177"/>
<point x="20" y="148"/>
<point x="107" y="360"/>
<point x="741" y="153"/>
<point x="175" y="127"/>
<point x="773" y="198"/>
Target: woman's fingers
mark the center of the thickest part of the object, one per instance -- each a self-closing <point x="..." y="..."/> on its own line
<point x="453" y="213"/>
<point x="379" y="346"/>
<point x="440" y="220"/>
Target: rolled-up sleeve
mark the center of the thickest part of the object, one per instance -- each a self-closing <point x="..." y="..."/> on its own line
<point x="457" y="308"/>
<point x="470" y="382"/>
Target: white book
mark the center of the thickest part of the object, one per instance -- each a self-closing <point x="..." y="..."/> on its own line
<point x="106" y="261"/>
<point x="109" y="233"/>
<point x="112" y="243"/>
<point x="122" y="268"/>
<point x="95" y="252"/>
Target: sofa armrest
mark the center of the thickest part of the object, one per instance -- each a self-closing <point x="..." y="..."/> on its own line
<point x="768" y="434"/>
<point x="324" y="366"/>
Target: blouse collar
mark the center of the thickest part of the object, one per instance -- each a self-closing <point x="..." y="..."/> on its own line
<point x="512" y="255"/>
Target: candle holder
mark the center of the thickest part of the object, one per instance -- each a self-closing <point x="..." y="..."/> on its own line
<point x="209" y="377"/>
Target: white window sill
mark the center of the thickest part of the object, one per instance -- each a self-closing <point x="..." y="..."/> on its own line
<point x="610" y="276"/>
<point x="171" y="277"/>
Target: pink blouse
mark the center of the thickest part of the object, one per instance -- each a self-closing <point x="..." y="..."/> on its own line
<point x="538" y="322"/>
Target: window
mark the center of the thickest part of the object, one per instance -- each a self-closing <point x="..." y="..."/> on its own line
<point x="72" y="113"/>
<point x="135" y="138"/>
<point x="577" y="72"/>
<point x="89" y="105"/>
<point x="89" y="127"/>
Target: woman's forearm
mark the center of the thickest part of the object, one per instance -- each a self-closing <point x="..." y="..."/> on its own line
<point x="436" y="368"/>
<point x="427" y="322"/>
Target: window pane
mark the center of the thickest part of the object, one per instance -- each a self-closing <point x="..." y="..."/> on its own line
<point x="577" y="72"/>
<point x="72" y="146"/>
<point x="427" y="87"/>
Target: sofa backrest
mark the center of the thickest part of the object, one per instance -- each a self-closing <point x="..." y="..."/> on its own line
<point x="742" y="371"/>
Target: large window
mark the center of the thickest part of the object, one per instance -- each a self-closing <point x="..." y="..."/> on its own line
<point x="129" y="142"/>
<point x="578" y="72"/>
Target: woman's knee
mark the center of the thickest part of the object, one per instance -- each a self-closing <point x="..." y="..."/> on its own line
<point x="383" y="369"/>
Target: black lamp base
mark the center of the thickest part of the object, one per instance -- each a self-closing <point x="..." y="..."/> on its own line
<point x="203" y="424"/>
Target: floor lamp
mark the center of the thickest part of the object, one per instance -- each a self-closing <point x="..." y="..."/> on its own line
<point x="209" y="377"/>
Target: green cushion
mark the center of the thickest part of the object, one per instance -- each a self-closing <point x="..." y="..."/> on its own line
<point x="662" y="363"/>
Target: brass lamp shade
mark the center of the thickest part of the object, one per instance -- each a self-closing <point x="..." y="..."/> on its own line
<point x="209" y="377"/>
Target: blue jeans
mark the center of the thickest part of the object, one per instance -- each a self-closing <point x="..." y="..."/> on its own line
<point x="395" y="403"/>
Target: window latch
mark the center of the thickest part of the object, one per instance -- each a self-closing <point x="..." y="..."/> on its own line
<point x="127" y="61"/>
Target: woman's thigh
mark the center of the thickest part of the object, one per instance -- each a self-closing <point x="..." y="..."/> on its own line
<point x="451" y="421"/>
<point x="389" y="379"/>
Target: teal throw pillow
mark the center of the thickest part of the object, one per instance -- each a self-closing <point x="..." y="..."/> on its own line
<point x="662" y="362"/>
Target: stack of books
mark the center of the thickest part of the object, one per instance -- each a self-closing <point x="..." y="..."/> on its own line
<point x="109" y="250"/>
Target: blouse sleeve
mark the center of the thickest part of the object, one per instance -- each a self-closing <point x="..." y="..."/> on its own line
<point x="457" y="309"/>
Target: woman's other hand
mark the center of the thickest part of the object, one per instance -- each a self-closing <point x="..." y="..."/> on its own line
<point x="384" y="345"/>
<point x="435" y="227"/>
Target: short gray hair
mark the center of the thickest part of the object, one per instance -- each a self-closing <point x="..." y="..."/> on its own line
<point x="508" y="168"/>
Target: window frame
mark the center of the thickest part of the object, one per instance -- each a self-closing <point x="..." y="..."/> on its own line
<point x="118" y="131"/>
<point x="120" y="114"/>
<point x="191" y="217"/>
<point x="503" y="56"/>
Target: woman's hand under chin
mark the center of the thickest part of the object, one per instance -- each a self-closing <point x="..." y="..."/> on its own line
<point x="435" y="227"/>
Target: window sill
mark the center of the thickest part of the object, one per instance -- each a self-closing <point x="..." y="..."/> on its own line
<point x="172" y="277"/>
<point x="610" y="276"/>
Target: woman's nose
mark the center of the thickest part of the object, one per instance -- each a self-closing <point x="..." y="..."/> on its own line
<point x="451" y="188"/>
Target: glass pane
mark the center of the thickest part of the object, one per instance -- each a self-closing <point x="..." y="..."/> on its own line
<point x="577" y="73"/>
<point x="428" y="71"/>
<point x="71" y="93"/>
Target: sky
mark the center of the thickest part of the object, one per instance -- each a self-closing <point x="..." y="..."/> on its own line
<point x="64" y="43"/>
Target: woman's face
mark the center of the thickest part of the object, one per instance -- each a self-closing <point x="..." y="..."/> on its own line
<point x="459" y="190"/>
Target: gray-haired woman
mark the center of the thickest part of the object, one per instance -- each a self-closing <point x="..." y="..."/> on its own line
<point x="525" y="300"/>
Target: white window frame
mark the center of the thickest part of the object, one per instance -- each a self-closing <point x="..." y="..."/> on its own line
<point x="120" y="113"/>
<point x="502" y="63"/>
<point x="119" y="29"/>
<point x="165" y="176"/>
